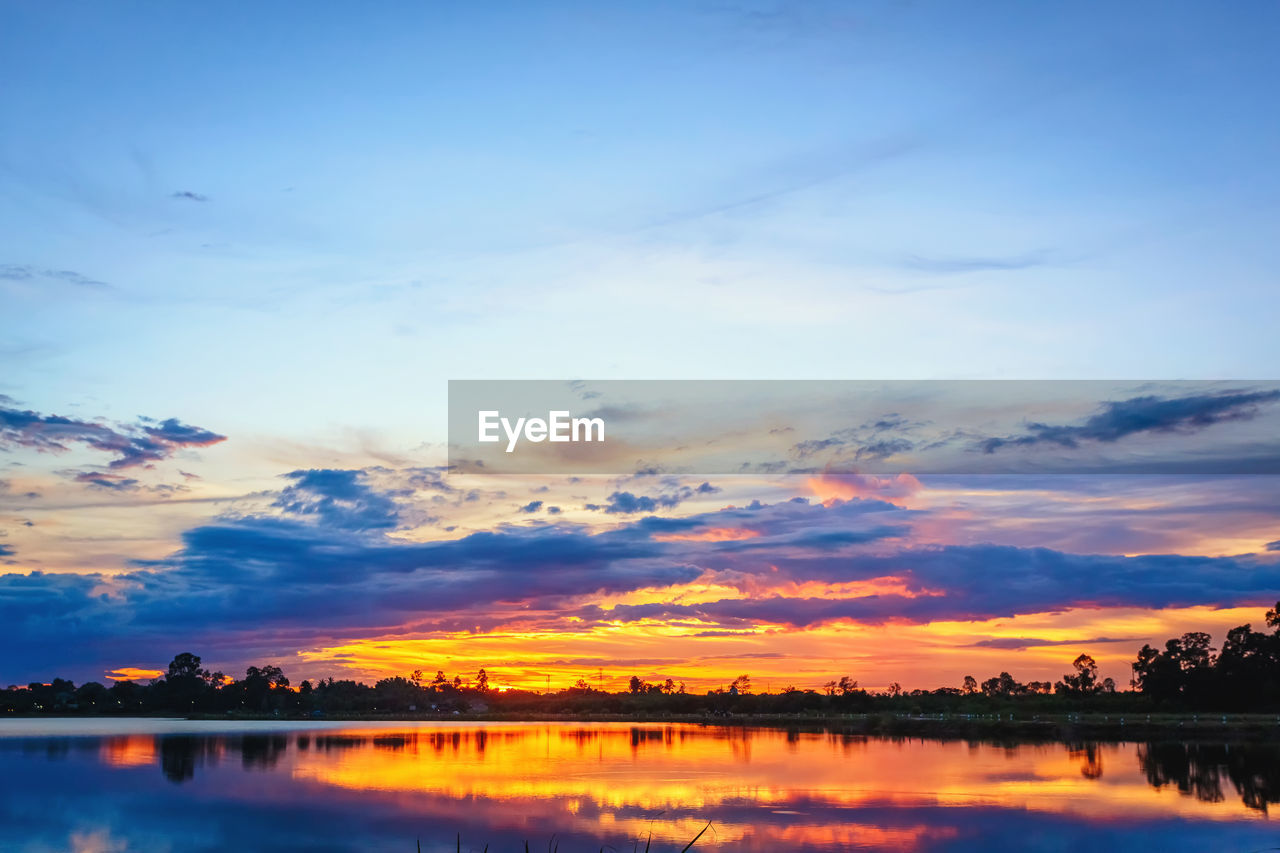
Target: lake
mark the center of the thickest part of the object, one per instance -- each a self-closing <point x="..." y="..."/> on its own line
<point x="109" y="785"/>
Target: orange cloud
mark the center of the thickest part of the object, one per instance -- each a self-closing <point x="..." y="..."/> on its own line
<point x="830" y="486"/>
<point x="710" y="534"/>
<point x="133" y="673"/>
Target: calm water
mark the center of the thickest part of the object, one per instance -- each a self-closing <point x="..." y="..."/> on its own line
<point x="107" y="786"/>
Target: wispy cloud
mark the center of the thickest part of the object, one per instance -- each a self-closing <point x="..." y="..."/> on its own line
<point x="627" y="503"/>
<point x="133" y="445"/>
<point x="1020" y="643"/>
<point x="107" y="482"/>
<point x="1146" y="414"/>
<point x="956" y="264"/>
<point x="33" y="275"/>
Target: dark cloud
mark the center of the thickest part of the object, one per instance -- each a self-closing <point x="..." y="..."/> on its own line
<point x="325" y="569"/>
<point x="807" y="448"/>
<point x="107" y="482"/>
<point x="627" y="503"/>
<point x="531" y="506"/>
<point x="1274" y="546"/>
<point x="133" y="445"/>
<point x="270" y="582"/>
<point x="882" y="449"/>
<point x="980" y="582"/>
<point x="172" y="431"/>
<point x="430" y="479"/>
<point x="338" y="498"/>
<point x="873" y="441"/>
<point x="1147" y="414"/>
<point x="188" y="195"/>
<point x="6" y="550"/>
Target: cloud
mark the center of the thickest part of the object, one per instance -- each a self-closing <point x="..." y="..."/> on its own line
<point x="1147" y="414"/>
<point x="1274" y="546"/>
<point x="844" y="486"/>
<point x="430" y="479"/>
<point x="954" y="265"/>
<point x="883" y="448"/>
<point x="31" y="274"/>
<point x="188" y="195"/>
<point x="325" y="567"/>
<point x="295" y="580"/>
<point x="133" y="445"/>
<point x="108" y="482"/>
<point x="6" y="550"/>
<point x="133" y="673"/>
<point x="531" y="506"/>
<point x="873" y="441"/>
<point x="338" y="498"/>
<point x="980" y="582"/>
<point x="627" y="503"/>
<point x="1020" y="643"/>
<point x="805" y="449"/>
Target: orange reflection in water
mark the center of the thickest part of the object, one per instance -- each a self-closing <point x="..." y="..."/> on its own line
<point x="129" y="751"/>
<point x="614" y="778"/>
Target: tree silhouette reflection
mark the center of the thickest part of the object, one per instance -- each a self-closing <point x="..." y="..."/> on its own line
<point x="1200" y="769"/>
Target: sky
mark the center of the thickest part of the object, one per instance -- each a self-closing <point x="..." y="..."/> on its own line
<point x="242" y="251"/>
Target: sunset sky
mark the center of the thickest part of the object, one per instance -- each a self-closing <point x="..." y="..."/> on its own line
<point x="242" y="252"/>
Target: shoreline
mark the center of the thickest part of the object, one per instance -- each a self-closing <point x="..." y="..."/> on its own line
<point x="988" y="727"/>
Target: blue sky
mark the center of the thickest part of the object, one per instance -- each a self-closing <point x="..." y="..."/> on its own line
<point x="289" y="226"/>
<point x="834" y="190"/>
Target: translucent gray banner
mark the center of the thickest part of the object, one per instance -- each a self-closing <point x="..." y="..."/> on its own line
<point x="776" y="427"/>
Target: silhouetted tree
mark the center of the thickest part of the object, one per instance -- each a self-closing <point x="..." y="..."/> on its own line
<point x="1084" y="680"/>
<point x="186" y="684"/>
<point x="1003" y="684"/>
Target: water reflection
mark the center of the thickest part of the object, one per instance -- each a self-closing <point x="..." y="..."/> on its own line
<point x="1253" y="771"/>
<point x="375" y="787"/>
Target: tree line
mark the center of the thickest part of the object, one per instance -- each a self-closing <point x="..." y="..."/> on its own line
<point x="1189" y="673"/>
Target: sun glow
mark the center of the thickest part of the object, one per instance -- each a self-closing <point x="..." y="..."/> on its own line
<point x="706" y="655"/>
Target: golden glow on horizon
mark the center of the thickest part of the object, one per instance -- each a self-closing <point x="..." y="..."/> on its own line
<point x="705" y="656"/>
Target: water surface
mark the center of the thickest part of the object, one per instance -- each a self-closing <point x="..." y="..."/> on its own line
<point x="108" y="786"/>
